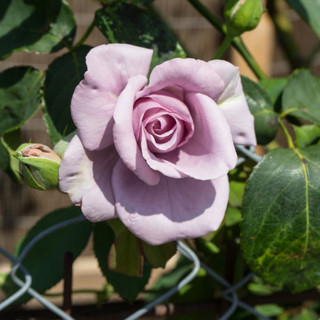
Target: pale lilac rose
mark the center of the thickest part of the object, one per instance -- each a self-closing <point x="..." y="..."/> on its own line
<point x="155" y="155"/>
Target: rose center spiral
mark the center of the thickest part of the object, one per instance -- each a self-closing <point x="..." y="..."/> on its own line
<point x="163" y="122"/>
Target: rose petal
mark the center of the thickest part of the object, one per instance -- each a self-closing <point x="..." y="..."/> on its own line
<point x="172" y="104"/>
<point x="109" y="68"/>
<point x="123" y="132"/>
<point x="233" y="103"/>
<point x="169" y="142"/>
<point x="98" y="202"/>
<point x="165" y="121"/>
<point x="173" y="209"/>
<point x="210" y="152"/>
<point x="157" y="163"/>
<point x="86" y="177"/>
<point x="190" y="74"/>
<point x="75" y="170"/>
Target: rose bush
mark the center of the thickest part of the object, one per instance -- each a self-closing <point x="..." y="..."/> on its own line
<point x="155" y="155"/>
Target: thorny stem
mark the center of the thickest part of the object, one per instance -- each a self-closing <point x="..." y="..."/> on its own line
<point x="237" y="42"/>
<point x="224" y="46"/>
<point x="252" y="63"/>
<point x="86" y="35"/>
<point x="208" y="15"/>
<point x="287" y="134"/>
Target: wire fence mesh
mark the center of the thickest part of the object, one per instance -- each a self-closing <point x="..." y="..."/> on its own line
<point x="229" y="294"/>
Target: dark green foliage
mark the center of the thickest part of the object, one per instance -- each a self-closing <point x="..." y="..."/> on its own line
<point x="280" y="231"/>
<point x="260" y="105"/>
<point x="127" y="286"/>
<point x="20" y="96"/>
<point x="301" y="96"/>
<point x="35" y="25"/>
<point x="117" y="21"/>
<point x="63" y="75"/>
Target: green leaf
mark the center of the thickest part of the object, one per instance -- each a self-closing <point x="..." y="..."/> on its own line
<point x="125" y="255"/>
<point x="63" y="144"/>
<point x="301" y="96"/>
<point x="237" y="182"/>
<point x="309" y="10"/>
<point x="274" y="87"/>
<point x="260" y="288"/>
<point x="19" y="97"/>
<point x="45" y="259"/>
<point x="306" y="135"/>
<point x="200" y="289"/>
<point x="54" y="135"/>
<point x="157" y="256"/>
<point x="126" y="23"/>
<point x="170" y="279"/>
<point x="35" y="25"/>
<point x="260" y="105"/>
<point x="306" y="315"/>
<point x="233" y="216"/>
<point x="3" y="277"/>
<point x="269" y="310"/>
<point x="63" y="75"/>
<point x="236" y="193"/>
<point x="128" y="287"/>
<point x="19" y="101"/>
<point x="280" y="230"/>
<point x="8" y="162"/>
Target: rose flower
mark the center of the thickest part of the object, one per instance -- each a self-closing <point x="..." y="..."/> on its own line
<point x="155" y="155"/>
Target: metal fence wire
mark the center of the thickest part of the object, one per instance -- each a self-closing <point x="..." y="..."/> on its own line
<point x="228" y="294"/>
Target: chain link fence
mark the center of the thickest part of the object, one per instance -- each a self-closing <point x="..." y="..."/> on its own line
<point x="229" y="294"/>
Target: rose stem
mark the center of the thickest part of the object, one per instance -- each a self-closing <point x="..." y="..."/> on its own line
<point x="287" y="134"/>
<point x="237" y="42"/>
<point x="85" y="36"/>
<point x="224" y="46"/>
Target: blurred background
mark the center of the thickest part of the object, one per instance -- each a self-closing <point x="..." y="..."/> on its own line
<point x="21" y="206"/>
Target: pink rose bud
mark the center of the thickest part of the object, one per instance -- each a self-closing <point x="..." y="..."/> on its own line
<point x="39" y="166"/>
<point x="156" y="153"/>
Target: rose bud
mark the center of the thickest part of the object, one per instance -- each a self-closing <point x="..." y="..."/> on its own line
<point x="242" y="15"/>
<point x="39" y="166"/>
